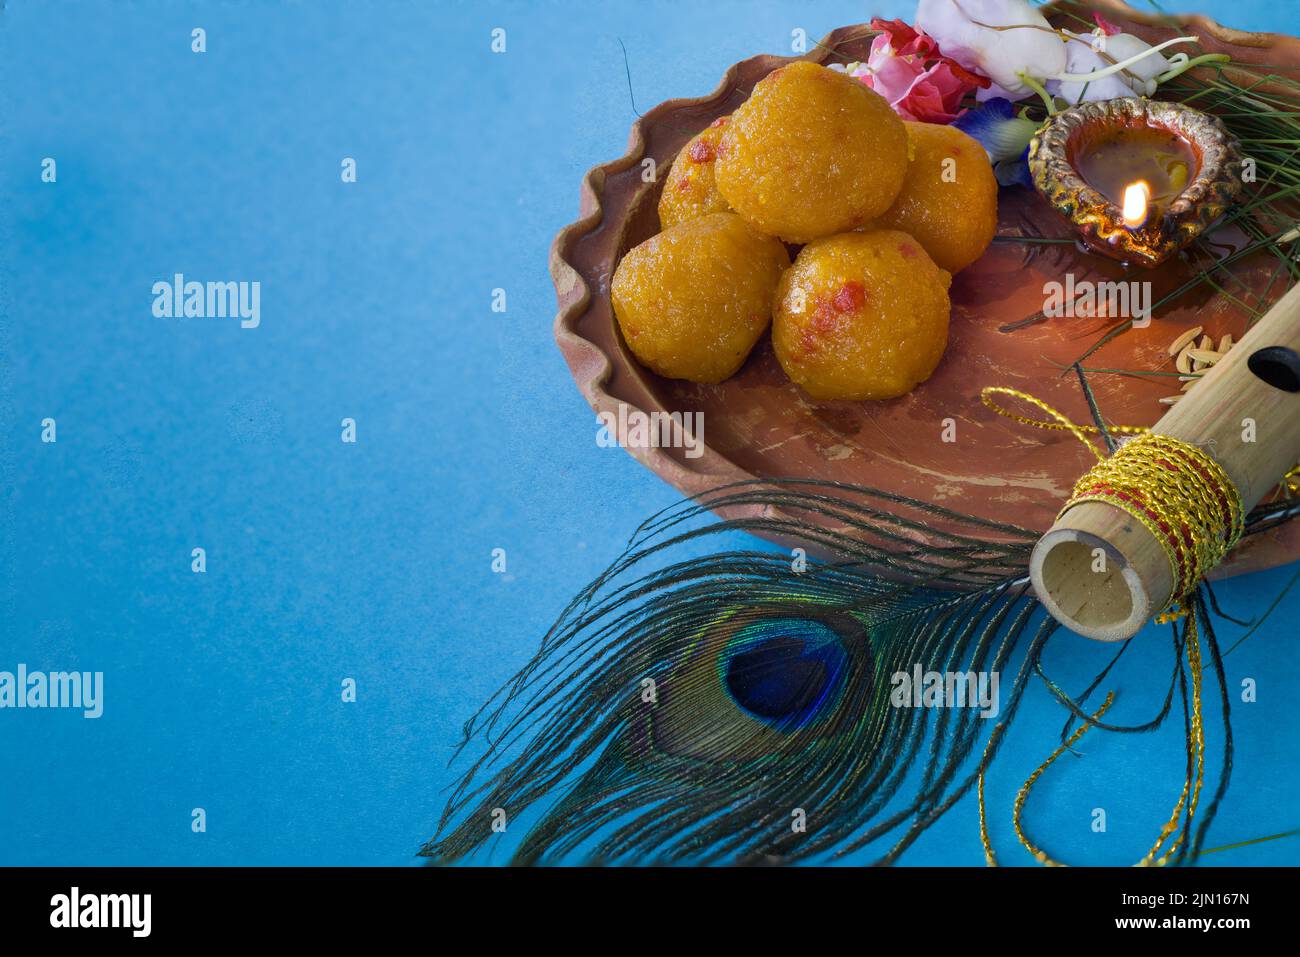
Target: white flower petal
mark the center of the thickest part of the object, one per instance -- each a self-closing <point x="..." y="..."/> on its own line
<point x="993" y="91"/>
<point x="1082" y="57"/>
<point x="1124" y="45"/>
<point x="963" y="30"/>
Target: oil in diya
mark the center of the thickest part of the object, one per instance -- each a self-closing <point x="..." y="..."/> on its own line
<point x="1142" y="170"/>
<point x="1139" y="179"/>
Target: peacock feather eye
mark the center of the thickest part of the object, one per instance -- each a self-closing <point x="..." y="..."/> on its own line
<point x="752" y="681"/>
<point x="787" y="672"/>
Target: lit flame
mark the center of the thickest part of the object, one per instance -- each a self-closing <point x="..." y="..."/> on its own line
<point x="1137" y="197"/>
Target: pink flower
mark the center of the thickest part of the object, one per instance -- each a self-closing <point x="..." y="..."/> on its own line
<point x="907" y="69"/>
<point x="905" y="40"/>
<point x="1106" y="27"/>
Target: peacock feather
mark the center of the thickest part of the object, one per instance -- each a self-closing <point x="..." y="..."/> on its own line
<point x="687" y="709"/>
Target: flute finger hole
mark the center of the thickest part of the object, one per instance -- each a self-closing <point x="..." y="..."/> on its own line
<point x="1278" y="366"/>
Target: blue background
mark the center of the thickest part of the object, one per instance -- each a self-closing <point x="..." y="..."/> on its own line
<point x="372" y="561"/>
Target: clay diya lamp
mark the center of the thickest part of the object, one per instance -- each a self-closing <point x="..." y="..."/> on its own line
<point x="1139" y="179"/>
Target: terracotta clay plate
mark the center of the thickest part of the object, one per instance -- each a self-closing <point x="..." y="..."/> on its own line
<point x="758" y="424"/>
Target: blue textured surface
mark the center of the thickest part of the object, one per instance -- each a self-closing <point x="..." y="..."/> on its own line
<point x="328" y="560"/>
